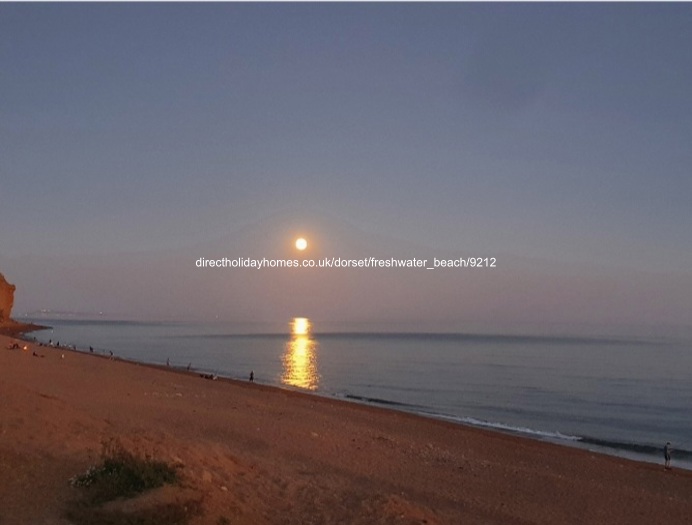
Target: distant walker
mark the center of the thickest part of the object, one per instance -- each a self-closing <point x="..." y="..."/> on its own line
<point x="666" y="454"/>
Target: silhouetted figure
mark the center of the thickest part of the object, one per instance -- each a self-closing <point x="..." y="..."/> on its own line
<point x="168" y="362"/>
<point x="91" y="349"/>
<point x="666" y="454"/>
<point x="252" y="375"/>
<point x="57" y="344"/>
<point x="111" y="353"/>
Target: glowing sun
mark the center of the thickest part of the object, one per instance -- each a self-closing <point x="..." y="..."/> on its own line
<point x="301" y="244"/>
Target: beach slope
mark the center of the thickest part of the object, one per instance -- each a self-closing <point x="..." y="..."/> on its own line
<point x="252" y="454"/>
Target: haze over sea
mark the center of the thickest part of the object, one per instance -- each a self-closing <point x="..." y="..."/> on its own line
<point x="619" y="395"/>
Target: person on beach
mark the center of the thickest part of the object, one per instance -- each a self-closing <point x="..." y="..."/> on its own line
<point x="252" y="376"/>
<point x="666" y="454"/>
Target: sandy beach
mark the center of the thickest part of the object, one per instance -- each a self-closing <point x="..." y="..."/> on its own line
<point x="252" y="454"/>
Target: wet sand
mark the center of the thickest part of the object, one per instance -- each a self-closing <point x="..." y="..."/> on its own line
<point x="254" y="454"/>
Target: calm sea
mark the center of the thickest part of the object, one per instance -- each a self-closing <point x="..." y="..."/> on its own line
<point x="619" y="396"/>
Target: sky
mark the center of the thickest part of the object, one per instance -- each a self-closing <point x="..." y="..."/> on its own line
<point x="136" y="138"/>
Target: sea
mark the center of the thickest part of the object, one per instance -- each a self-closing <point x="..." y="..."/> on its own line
<point x="615" y="395"/>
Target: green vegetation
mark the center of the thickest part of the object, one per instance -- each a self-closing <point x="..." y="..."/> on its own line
<point x="123" y="475"/>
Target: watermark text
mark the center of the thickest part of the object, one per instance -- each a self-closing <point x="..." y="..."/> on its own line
<point x="339" y="262"/>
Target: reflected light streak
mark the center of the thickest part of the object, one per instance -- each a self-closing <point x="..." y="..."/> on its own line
<point x="300" y="357"/>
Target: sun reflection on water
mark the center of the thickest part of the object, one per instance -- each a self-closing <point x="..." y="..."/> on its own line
<point x="300" y="357"/>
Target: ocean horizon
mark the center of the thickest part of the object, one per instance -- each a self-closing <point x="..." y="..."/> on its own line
<point x="624" y="396"/>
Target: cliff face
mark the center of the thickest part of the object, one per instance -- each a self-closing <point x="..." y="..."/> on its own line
<point x="6" y="299"/>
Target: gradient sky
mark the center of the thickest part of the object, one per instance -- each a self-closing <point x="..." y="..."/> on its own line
<point x="556" y="137"/>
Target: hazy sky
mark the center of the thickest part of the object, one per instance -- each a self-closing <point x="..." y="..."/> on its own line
<point x="554" y="133"/>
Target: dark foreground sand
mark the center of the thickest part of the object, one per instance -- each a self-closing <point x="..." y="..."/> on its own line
<point x="261" y="455"/>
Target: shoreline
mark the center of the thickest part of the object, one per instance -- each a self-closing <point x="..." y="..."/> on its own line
<point x="625" y="450"/>
<point x="291" y="457"/>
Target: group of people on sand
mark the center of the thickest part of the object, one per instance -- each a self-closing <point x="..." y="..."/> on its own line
<point x="74" y="347"/>
<point x="112" y="356"/>
<point x="214" y="377"/>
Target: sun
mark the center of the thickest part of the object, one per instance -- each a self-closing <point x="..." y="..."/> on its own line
<point x="301" y="244"/>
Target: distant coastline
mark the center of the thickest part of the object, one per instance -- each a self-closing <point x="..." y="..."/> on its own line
<point x="15" y="328"/>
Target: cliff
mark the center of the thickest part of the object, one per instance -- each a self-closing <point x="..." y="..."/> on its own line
<point x="6" y="300"/>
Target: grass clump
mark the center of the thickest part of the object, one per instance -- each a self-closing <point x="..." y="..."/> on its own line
<point x="122" y="475"/>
